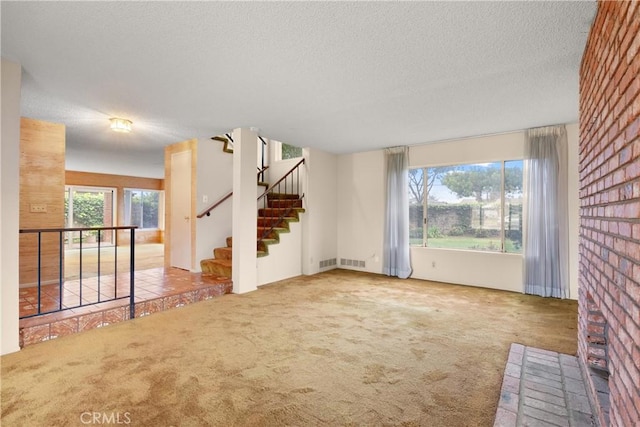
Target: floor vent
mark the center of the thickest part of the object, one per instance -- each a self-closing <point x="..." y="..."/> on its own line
<point x="352" y="263"/>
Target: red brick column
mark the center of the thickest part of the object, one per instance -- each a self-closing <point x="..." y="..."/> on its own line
<point x="610" y="199"/>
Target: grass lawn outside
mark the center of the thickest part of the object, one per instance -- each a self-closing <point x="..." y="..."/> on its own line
<point x="468" y="243"/>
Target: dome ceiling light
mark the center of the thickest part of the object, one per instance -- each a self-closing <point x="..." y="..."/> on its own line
<point x="121" y="125"/>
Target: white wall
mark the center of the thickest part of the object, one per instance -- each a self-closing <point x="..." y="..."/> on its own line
<point x="284" y="259"/>
<point x="482" y="149"/>
<point x="320" y="226"/>
<point x="215" y="180"/>
<point x="361" y="199"/>
<point x="9" y="205"/>
<point x="360" y="209"/>
<point x="116" y="162"/>
<point x="485" y="269"/>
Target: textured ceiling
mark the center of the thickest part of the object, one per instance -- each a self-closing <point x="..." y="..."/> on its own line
<point x="338" y="76"/>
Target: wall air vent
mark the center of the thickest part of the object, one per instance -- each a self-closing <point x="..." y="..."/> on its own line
<point x="328" y="263"/>
<point x="353" y="263"/>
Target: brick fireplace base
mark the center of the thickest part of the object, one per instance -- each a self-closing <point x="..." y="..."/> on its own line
<point x="542" y="387"/>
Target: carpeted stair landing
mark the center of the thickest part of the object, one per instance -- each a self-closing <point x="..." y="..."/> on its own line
<point x="273" y="221"/>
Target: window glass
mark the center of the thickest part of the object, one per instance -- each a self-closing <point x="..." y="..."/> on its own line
<point x="141" y="208"/>
<point x="290" y="151"/>
<point x="416" y="206"/>
<point x="463" y="210"/>
<point x="88" y="207"/>
<point x="513" y="206"/>
<point x="461" y="206"/>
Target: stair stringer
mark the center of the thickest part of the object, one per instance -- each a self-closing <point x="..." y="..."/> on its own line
<point x="285" y="258"/>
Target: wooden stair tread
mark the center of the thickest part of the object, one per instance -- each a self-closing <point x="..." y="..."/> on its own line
<point x="286" y="208"/>
<point x="282" y="196"/>
<point x="222" y="253"/>
<point x="277" y="212"/>
<point x="269" y="221"/>
<point x="277" y="229"/>
<point x="227" y="148"/>
<point x="225" y="262"/>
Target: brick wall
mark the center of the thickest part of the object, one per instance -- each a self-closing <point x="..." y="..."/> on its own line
<point x="610" y="199"/>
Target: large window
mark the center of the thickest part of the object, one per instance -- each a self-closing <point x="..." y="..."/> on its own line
<point x="473" y="207"/>
<point x="143" y="208"/>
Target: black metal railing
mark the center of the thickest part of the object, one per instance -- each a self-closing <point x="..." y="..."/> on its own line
<point x="66" y="291"/>
<point x="289" y="185"/>
<point x="261" y="173"/>
<point x="262" y="167"/>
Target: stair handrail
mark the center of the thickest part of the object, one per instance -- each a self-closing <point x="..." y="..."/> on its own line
<point x="207" y="211"/>
<point x="271" y="187"/>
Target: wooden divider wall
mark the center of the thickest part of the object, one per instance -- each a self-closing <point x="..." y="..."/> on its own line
<point x="42" y="157"/>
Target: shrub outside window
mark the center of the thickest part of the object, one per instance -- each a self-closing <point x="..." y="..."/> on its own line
<point x="469" y="207"/>
<point x="290" y="151"/>
<point x="142" y="208"/>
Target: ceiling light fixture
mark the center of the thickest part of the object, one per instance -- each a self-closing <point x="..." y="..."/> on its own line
<point x="120" y="125"/>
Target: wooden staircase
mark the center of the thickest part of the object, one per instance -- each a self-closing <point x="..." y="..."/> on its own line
<point x="273" y="221"/>
<point x="279" y="209"/>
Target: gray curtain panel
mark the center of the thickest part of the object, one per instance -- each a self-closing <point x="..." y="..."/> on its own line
<point x="546" y="249"/>
<point x="396" y="259"/>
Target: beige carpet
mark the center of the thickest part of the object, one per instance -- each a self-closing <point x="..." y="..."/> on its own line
<point x="338" y="348"/>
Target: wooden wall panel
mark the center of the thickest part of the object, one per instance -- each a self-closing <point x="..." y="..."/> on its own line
<point x="42" y="156"/>
<point x="120" y="182"/>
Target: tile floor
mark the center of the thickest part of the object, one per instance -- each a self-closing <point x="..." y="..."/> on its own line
<point x="155" y="290"/>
